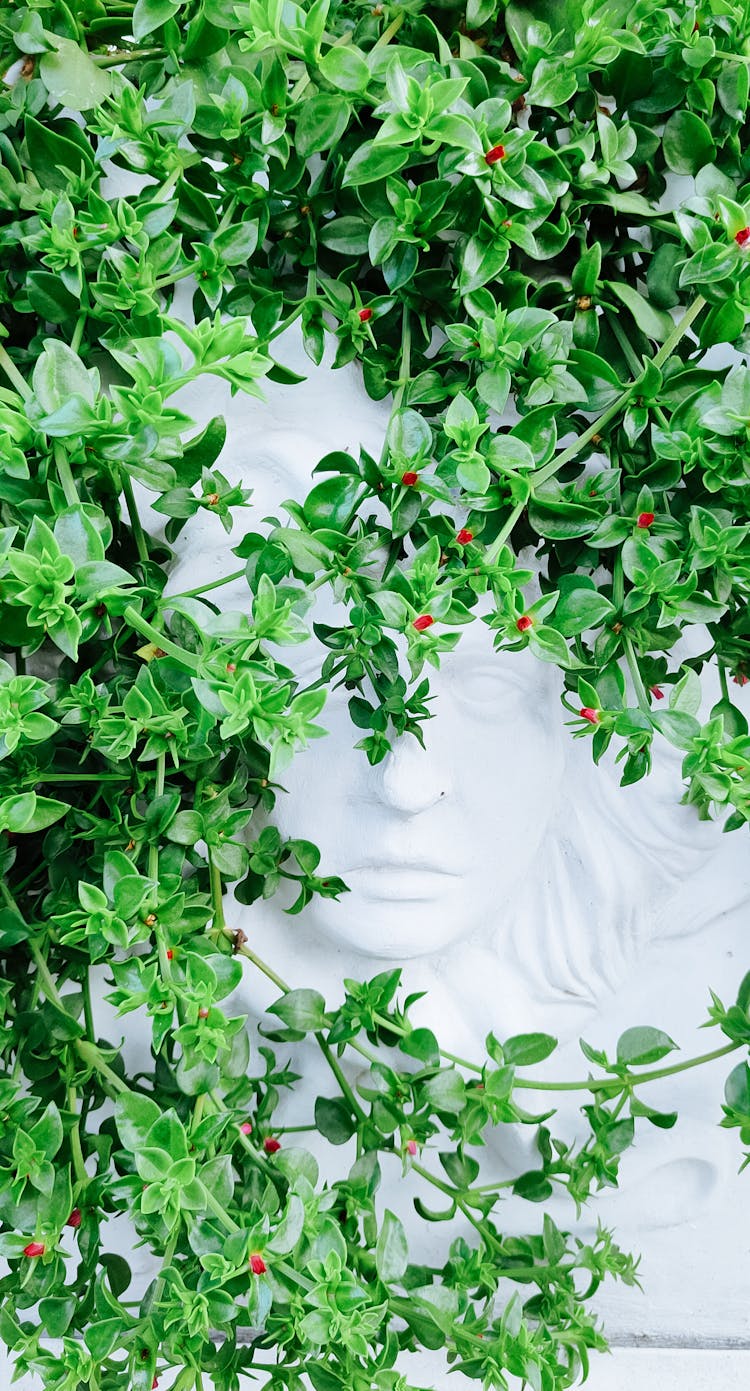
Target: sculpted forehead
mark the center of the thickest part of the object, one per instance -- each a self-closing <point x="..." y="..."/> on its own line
<point x="274" y="444"/>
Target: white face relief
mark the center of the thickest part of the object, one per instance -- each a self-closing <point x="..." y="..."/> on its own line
<point x="431" y="840"/>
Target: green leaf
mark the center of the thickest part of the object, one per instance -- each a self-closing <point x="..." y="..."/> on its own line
<point x="78" y="537"/>
<point x="49" y="297"/>
<point x="301" y="1009"/>
<point x="149" y="15"/>
<point x="331" y="503"/>
<point x="57" y="152"/>
<point x="72" y="78"/>
<point x="687" y="143"/>
<point x="345" y="68"/>
<point x="447" y="1091"/>
<point x="422" y="1044"/>
<point x="58" y="375"/>
<point x="655" y="323"/>
<point x="534" y="1186"/>
<point x="643" y="1045"/>
<point x="525" y="1049"/>
<point x="134" y="1117"/>
<point x="371" y="162"/>
<point x="579" y="609"/>
<point x="334" y="1120"/>
<point x="321" y="122"/>
<point x="285" y="1237"/>
<point x="392" y="1250"/>
<point x="349" y="236"/>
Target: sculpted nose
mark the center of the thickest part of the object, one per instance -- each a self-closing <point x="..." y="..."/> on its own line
<point x="411" y="779"/>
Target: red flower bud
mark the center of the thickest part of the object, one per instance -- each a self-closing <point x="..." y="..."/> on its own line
<point x="409" y="479"/>
<point x="464" y="536"/>
<point x="743" y="236"/>
<point x="588" y="714"/>
<point x="203" y="1013"/>
<point x="75" y="1218"/>
<point x="231" y="667"/>
<point x="271" y="1145"/>
<point x="170" y="954"/>
<point x="657" y="692"/>
<point x="246" y="1128"/>
<point x="425" y="620"/>
<point x="411" y="1146"/>
<point x="34" y="1248"/>
<point x="496" y="153"/>
<point x="257" y="1264"/>
<point x="524" y="623"/>
<point x="365" y="315"/>
<point x="740" y="679"/>
<point x="645" y="520"/>
<point x="154" y="1384"/>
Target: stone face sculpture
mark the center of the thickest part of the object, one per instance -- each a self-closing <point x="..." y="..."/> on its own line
<point x="516" y="884"/>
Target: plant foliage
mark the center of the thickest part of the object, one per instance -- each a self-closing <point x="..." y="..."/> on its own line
<point x="477" y="205"/>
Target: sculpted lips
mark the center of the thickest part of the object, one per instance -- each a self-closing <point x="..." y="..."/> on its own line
<point x="404" y="866"/>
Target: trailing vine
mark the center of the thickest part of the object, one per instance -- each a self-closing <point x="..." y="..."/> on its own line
<point x="477" y="205"/>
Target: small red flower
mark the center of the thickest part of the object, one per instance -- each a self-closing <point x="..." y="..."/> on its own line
<point x="75" y="1218"/>
<point x="496" y="153"/>
<point x="588" y="714"/>
<point x="34" y="1248"/>
<point x="365" y="315"/>
<point x="257" y="1264"/>
<point x="740" y="679"/>
<point x="743" y="236"/>
<point x="425" y="620"/>
<point x="524" y="623"/>
<point x="246" y="1128"/>
<point x="464" y="537"/>
<point x="645" y="520"/>
<point x="657" y="692"/>
<point x="170" y="954"/>
<point x="271" y="1144"/>
<point x="409" y="479"/>
<point x="231" y="666"/>
<point x="203" y="1013"/>
<point x="411" y="1147"/>
<point x="154" y="1384"/>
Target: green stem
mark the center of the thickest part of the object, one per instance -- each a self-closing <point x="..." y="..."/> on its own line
<point x="221" y="1213"/>
<point x="670" y="343"/>
<point x="390" y="31"/>
<point x="139" y="535"/>
<point x="147" y="630"/>
<point x="126" y="55"/>
<point x="76" y="1149"/>
<point x="88" y="1012"/>
<point x="404" y="376"/>
<point x="12" y="373"/>
<point x="217" y="896"/>
<point x="635" y="673"/>
<point x="204" y="588"/>
<point x="65" y="474"/>
<point x="92" y="1056"/>
<point x="167" y="1259"/>
<point x="598" y="1084"/>
<point x="631" y="356"/>
<point x="338" y="1073"/>
<point x="493" y="551"/>
<point x="76" y="340"/>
